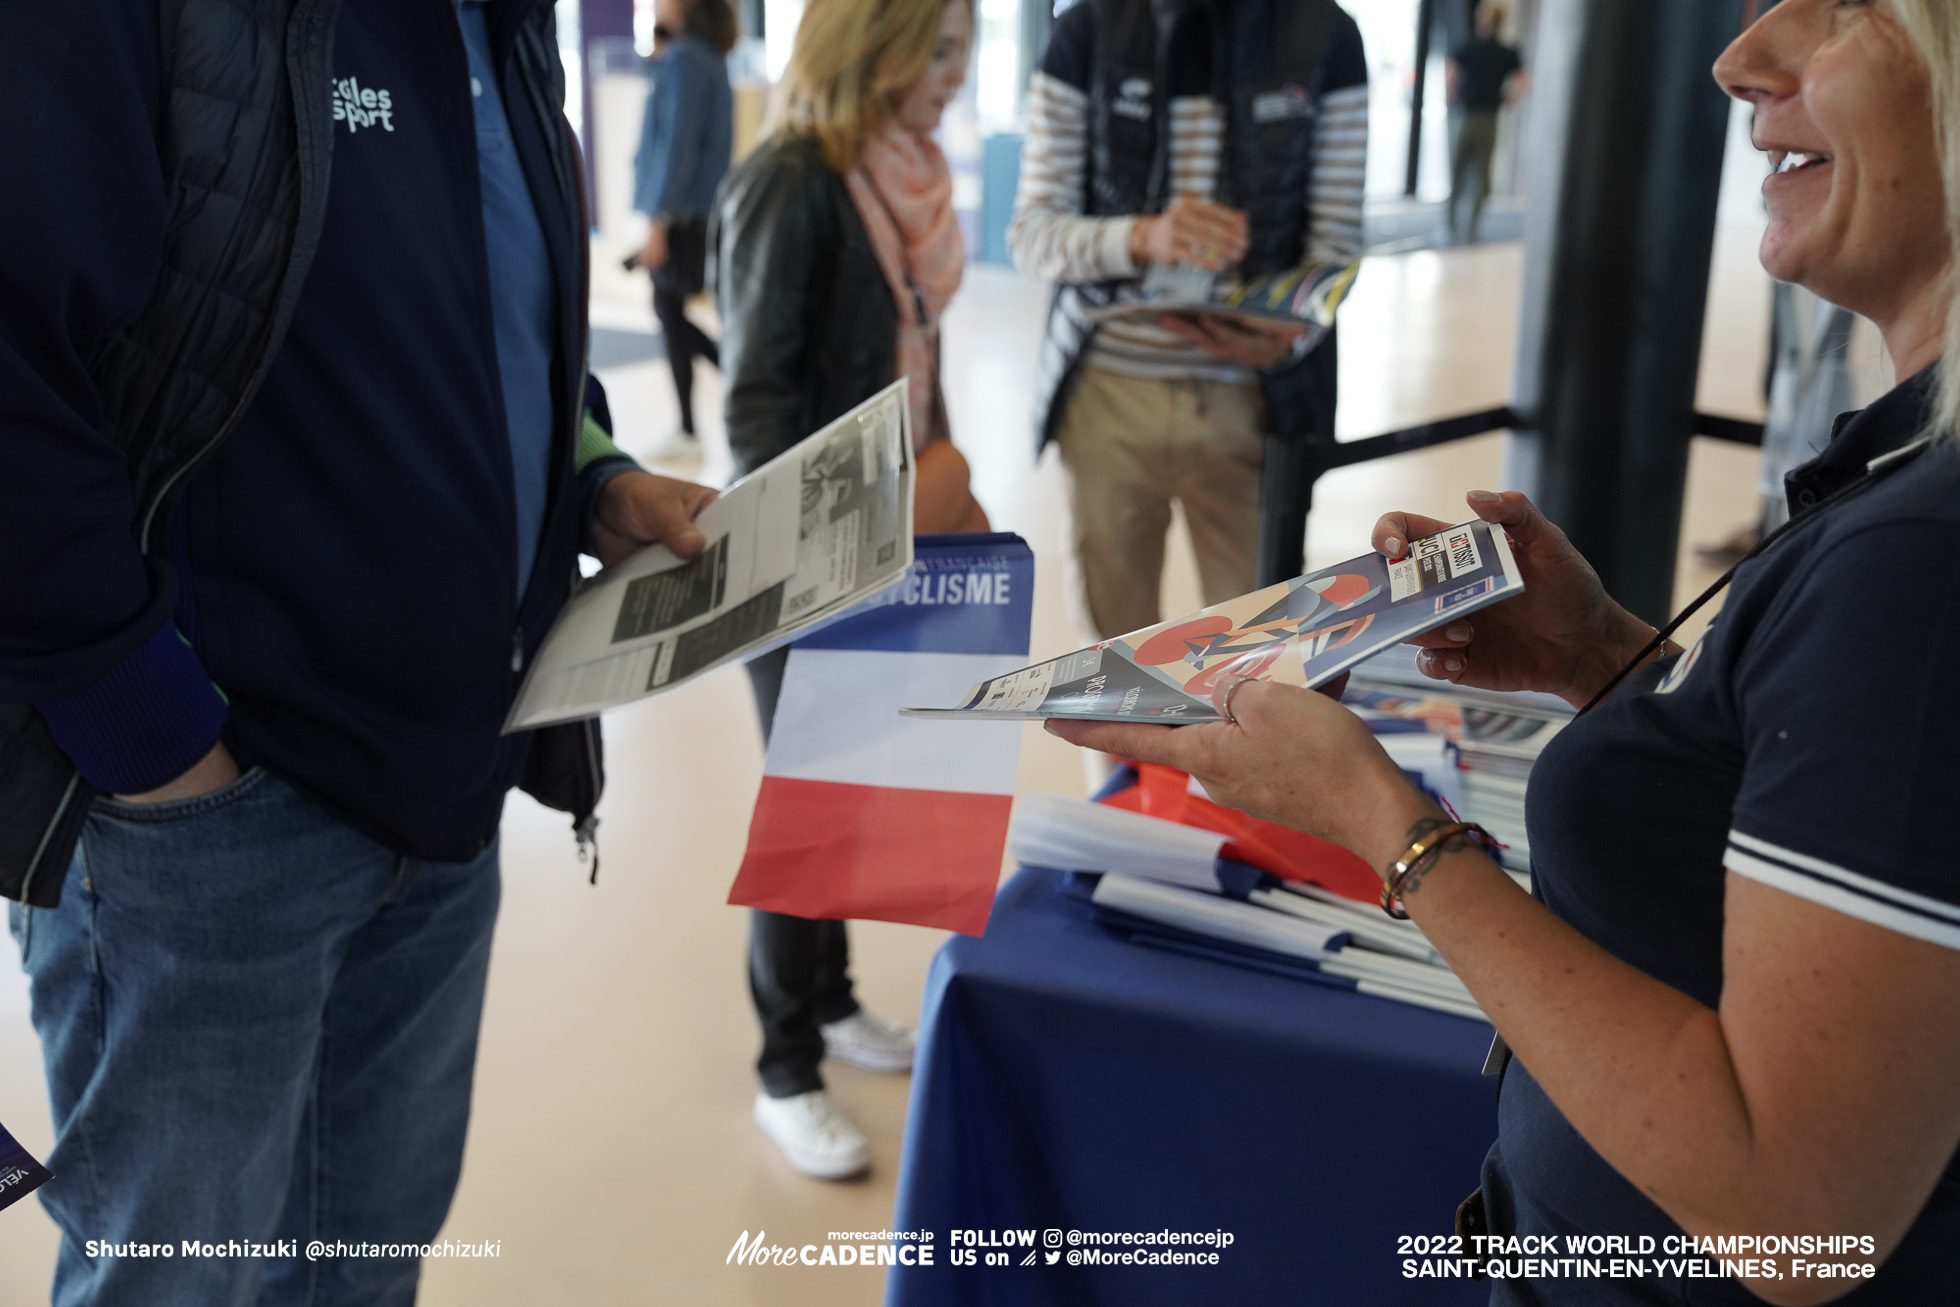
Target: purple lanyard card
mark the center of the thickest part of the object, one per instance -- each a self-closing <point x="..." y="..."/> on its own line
<point x="20" y="1174"/>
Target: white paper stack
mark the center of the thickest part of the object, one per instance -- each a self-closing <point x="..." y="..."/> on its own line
<point x="1167" y="873"/>
<point x="1498" y="739"/>
<point x="1051" y="831"/>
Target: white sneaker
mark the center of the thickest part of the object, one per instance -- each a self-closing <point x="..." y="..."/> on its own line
<point x="867" y="1040"/>
<point x="814" y="1134"/>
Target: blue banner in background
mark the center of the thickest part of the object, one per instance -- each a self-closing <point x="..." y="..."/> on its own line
<point x="20" y="1174"/>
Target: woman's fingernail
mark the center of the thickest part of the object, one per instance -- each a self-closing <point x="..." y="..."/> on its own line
<point x="1459" y="632"/>
<point x="1452" y="664"/>
<point x="1483" y="497"/>
<point x="1392" y="546"/>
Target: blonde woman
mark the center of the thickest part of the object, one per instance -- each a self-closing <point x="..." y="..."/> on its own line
<point x="1734" y="1000"/>
<point x="837" y="253"/>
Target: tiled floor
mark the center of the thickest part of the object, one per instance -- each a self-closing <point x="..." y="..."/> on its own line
<point x="611" y="1152"/>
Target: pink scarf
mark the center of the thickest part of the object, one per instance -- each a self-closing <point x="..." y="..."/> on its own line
<point x="904" y="193"/>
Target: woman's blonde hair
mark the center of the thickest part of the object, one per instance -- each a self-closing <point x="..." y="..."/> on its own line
<point x="851" y="62"/>
<point x="1934" y="26"/>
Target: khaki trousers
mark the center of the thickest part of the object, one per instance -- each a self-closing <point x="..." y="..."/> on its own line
<point x="1130" y="446"/>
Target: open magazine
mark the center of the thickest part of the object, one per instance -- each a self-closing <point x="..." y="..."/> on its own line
<point x="1283" y="302"/>
<point x="1300" y="632"/>
<point x="792" y="544"/>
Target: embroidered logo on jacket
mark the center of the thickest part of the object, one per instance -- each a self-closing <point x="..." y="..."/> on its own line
<point x="362" y="106"/>
<point x="1133" y="99"/>
<point x="1287" y="102"/>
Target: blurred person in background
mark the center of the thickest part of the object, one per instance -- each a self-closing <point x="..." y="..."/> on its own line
<point x="1483" y="76"/>
<point x="1265" y="106"/>
<point x="837" y="251"/>
<point x="685" y="141"/>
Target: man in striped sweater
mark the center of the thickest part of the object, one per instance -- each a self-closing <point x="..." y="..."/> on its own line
<point x="1262" y="106"/>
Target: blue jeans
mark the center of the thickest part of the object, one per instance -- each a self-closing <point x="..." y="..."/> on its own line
<point x="259" y="1027"/>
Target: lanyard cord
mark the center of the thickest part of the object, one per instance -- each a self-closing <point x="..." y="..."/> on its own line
<point x="1499" y="1056"/>
<point x="1873" y="470"/>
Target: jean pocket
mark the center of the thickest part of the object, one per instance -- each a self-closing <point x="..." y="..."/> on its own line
<point x="180" y="809"/>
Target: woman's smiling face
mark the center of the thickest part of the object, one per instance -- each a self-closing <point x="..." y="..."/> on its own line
<point x="1844" y="104"/>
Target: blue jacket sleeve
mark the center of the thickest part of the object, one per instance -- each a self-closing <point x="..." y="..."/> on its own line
<point x="677" y="105"/>
<point x="687" y="109"/>
<point x="85" y="627"/>
<point x="650" y="162"/>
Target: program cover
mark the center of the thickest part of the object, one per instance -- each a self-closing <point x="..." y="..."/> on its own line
<point x="1301" y="632"/>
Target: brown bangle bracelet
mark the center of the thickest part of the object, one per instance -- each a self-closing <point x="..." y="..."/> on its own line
<point x="1417" y="856"/>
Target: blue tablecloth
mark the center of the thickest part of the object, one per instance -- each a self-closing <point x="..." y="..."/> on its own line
<point x="1069" y="1080"/>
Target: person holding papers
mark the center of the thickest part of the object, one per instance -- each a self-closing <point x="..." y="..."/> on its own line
<point x="297" y="455"/>
<point x="1734" y="997"/>
<point x="1221" y="143"/>
<point x="838" y="252"/>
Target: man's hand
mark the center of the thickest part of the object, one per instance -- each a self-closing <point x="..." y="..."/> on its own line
<point x="1191" y="231"/>
<point x="638" y="508"/>
<point x="213" y="771"/>
<point x="1225" y="338"/>
<point x="654" y="253"/>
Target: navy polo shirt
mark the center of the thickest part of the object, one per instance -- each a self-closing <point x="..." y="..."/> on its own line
<point x="1806" y="741"/>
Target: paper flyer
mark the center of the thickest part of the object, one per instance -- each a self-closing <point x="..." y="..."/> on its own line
<point x="794" y="543"/>
<point x="1301" y="632"/>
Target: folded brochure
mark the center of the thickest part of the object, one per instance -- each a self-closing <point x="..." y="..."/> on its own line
<point x="1300" y="632"/>
<point x="794" y="543"/>
<point x="1297" y="299"/>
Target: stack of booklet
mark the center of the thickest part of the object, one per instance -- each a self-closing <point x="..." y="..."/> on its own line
<point x="1497" y="736"/>
<point x="1164" y="885"/>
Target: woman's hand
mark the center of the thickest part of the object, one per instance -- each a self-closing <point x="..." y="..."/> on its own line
<point x="1564" y="635"/>
<point x="1289" y="755"/>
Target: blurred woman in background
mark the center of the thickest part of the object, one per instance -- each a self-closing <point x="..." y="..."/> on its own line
<point x="837" y="252"/>
<point x="685" y="141"/>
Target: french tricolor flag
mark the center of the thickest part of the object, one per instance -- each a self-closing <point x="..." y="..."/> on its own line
<point x="867" y="814"/>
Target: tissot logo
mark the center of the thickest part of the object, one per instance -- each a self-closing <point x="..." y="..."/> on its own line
<point x="362" y="106"/>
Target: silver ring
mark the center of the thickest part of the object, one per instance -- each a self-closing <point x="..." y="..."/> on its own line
<point x="1225" y="709"/>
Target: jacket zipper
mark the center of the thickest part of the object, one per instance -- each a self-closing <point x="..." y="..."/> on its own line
<point x="47" y="835"/>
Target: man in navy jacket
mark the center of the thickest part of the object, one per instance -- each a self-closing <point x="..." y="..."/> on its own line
<point x="258" y="996"/>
